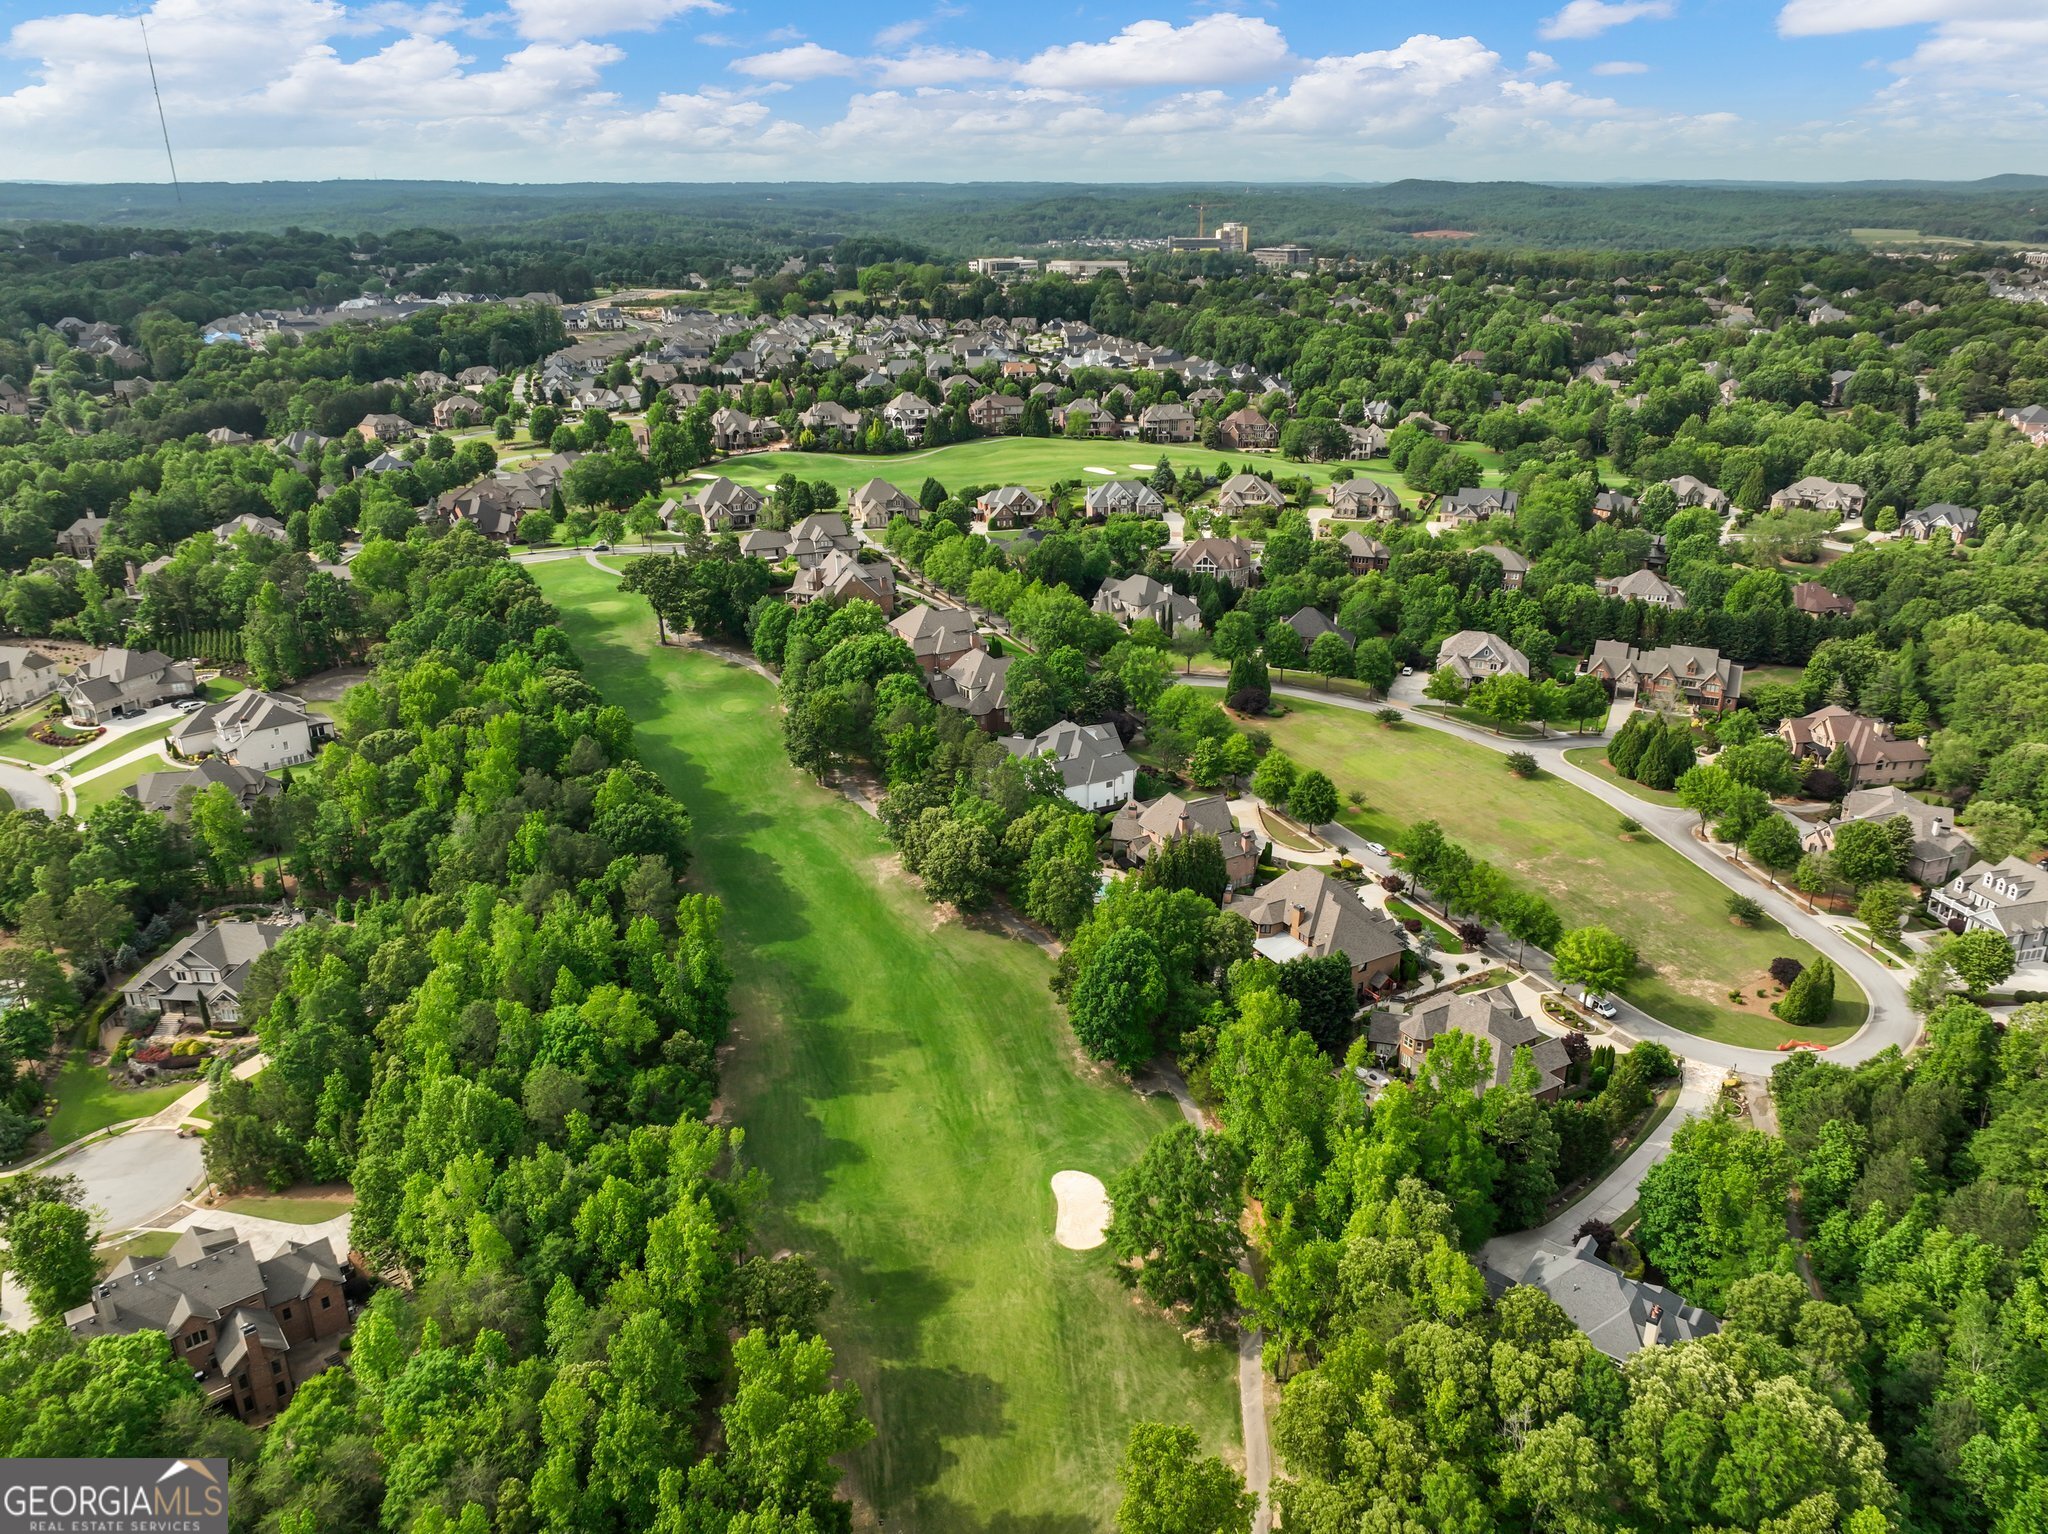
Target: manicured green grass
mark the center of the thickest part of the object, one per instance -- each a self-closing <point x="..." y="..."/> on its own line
<point x="150" y="1243"/>
<point x="1034" y="462"/>
<point x="1447" y="941"/>
<point x="108" y="785"/>
<point x="1479" y="721"/>
<point x="910" y="1088"/>
<point x="14" y="739"/>
<point x="1562" y="841"/>
<point x="1284" y="833"/>
<point x="293" y="1211"/>
<point x="113" y="750"/>
<point x="1594" y="759"/>
<point x="87" y="1100"/>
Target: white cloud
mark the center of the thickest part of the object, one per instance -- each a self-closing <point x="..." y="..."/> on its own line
<point x="899" y="33"/>
<point x="1207" y="51"/>
<point x="1589" y="18"/>
<point x="1821" y="18"/>
<point x="806" y="61"/>
<point x="1389" y="95"/>
<point x="941" y="66"/>
<point x="1621" y="67"/>
<point x="567" y="20"/>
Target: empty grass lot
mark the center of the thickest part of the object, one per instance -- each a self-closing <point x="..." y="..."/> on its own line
<point x="1567" y="844"/>
<point x="299" y="1210"/>
<point x="910" y="1088"/>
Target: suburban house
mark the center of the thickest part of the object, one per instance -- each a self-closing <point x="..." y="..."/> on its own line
<point x="1311" y="625"/>
<point x="1613" y="506"/>
<point x="1812" y="598"/>
<point x="1245" y="430"/>
<point x="1816" y="494"/>
<point x="1095" y="771"/>
<point x="1667" y="676"/>
<point x="937" y="636"/>
<point x="875" y="503"/>
<point x="199" y="983"/>
<point x="842" y="577"/>
<point x="1307" y="914"/>
<point x="263" y="730"/>
<point x="1363" y="497"/>
<point x="1875" y="756"/>
<point x="1010" y="506"/>
<point x="1140" y="596"/>
<point x="81" y="540"/>
<point x="996" y="414"/>
<point x="1493" y="1018"/>
<point x="978" y="685"/>
<point x="1956" y="522"/>
<point x="1247" y="492"/>
<point x="456" y="411"/>
<point x="25" y="676"/>
<point x="1643" y="586"/>
<point x="908" y="414"/>
<point x="1225" y="559"/>
<point x="252" y="1332"/>
<point x="1514" y="565"/>
<point x="1938" y="851"/>
<point x="1619" y="1315"/>
<point x="1139" y="828"/>
<point x="769" y="543"/>
<point x="384" y="427"/>
<point x="119" y="681"/>
<point x="1123" y="497"/>
<point x="1476" y="655"/>
<point x="829" y="421"/>
<point x="725" y="506"/>
<point x="250" y="522"/>
<point x="2008" y="898"/>
<point x="1474" y="504"/>
<point x="1096" y="420"/>
<point x="1697" y="492"/>
<point x="1367" y="441"/>
<point x="1166" y="423"/>
<point x="164" y="792"/>
<point x="1364" y="554"/>
<point x="820" y="534"/>
<point x="734" y="431"/>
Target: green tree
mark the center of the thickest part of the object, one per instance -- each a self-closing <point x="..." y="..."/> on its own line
<point x="1313" y="798"/>
<point x="1774" y="842"/>
<point x="1809" y="999"/>
<point x="1174" y="1227"/>
<point x="1593" y="957"/>
<point x="1273" y="779"/>
<point x="1864" y="852"/>
<point x="1329" y="657"/>
<point x="1117" y="999"/>
<point x="1884" y="905"/>
<point x="1171" y="1487"/>
<point x="49" y="1253"/>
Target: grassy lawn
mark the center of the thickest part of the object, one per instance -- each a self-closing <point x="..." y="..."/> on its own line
<point x="87" y="1100"/>
<point x="1568" y="845"/>
<point x="1034" y="462"/>
<point x="910" y="1088"/>
<point x="294" y="1211"/>
<point x="1283" y="833"/>
<point x="1480" y="721"/>
<point x="1447" y="941"/>
<point x="113" y="750"/>
<point x="14" y="739"/>
<point x="108" y="785"/>
<point x="1594" y="760"/>
<point x="150" y="1243"/>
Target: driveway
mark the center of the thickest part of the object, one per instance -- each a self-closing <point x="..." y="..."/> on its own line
<point x="134" y="1177"/>
<point x="29" y="790"/>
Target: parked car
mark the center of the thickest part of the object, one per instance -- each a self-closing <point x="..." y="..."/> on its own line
<point x="191" y="705"/>
<point x="1376" y="849"/>
<point x="1602" y="1006"/>
<point x="600" y="548"/>
<point x="1407" y="671"/>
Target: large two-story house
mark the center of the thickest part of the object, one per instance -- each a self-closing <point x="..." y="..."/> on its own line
<point x="1140" y="596"/>
<point x="1224" y="559"/>
<point x="1307" y="914"/>
<point x="1874" y="755"/>
<point x="263" y="730"/>
<point x="1476" y="655"/>
<point x="726" y="507"/>
<point x="252" y="1331"/>
<point x="1813" y="493"/>
<point x="1938" y="850"/>
<point x="937" y="636"/>
<point x="1139" y="830"/>
<point x="1009" y="506"/>
<point x="198" y="984"/>
<point x="1096" y="773"/>
<point x="118" y="681"/>
<point x="25" y="676"/>
<point x="1360" y="496"/>
<point x="1493" y="1018"/>
<point x="1666" y="677"/>
<point x="2010" y="898"/>
<point x="875" y="504"/>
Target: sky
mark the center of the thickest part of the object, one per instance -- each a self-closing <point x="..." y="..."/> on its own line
<point x="982" y="90"/>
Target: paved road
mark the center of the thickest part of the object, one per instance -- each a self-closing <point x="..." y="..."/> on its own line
<point x="135" y="1176"/>
<point x="1891" y="1022"/>
<point x="30" y="790"/>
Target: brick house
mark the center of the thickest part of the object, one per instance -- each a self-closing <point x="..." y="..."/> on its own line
<point x="1666" y="677"/>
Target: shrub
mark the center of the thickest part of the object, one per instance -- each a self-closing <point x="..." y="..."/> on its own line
<point x="1522" y="764"/>
<point x="1630" y="826"/>
<point x="1745" y="910"/>
<point x="1251" y="700"/>
<point x="1785" y="970"/>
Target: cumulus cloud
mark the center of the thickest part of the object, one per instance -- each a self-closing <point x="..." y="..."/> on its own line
<point x="896" y="35"/>
<point x="567" y="20"/>
<point x="1387" y="95"/>
<point x="1210" y="50"/>
<point x="806" y="61"/>
<point x="1589" y="18"/>
<point x="1820" y="18"/>
<point x="941" y="66"/>
<point x="1621" y="67"/>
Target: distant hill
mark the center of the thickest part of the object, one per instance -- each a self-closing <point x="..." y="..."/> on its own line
<point x="956" y="219"/>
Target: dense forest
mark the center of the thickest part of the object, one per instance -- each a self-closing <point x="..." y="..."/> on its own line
<point x="963" y="220"/>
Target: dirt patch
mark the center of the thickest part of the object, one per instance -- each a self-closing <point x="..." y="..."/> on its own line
<point x="944" y="911"/>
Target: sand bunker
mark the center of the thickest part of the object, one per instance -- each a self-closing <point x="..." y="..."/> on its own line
<point x="1084" y="1210"/>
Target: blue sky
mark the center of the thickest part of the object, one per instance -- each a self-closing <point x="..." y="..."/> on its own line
<point x="564" y="90"/>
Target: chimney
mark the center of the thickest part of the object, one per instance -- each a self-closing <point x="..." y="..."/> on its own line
<point x="1651" y="1330"/>
<point x="1296" y="915"/>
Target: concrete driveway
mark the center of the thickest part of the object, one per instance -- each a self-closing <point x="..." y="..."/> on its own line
<point x="134" y="1177"/>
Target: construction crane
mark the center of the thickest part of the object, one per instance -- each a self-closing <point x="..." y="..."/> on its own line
<point x="1201" y="213"/>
